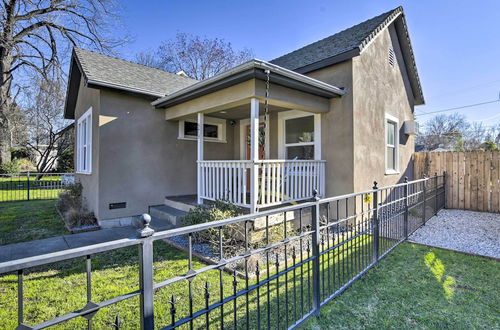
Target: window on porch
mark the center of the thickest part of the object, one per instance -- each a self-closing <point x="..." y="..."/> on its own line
<point x="299" y="138"/>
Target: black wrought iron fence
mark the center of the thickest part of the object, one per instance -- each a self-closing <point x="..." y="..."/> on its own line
<point x="291" y="261"/>
<point x="31" y="186"/>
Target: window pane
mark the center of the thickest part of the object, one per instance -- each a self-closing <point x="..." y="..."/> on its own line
<point x="299" y="129"/>
<point x="300" y="152"/>
<point x="391" y="159"/>
<point x="210" y="131"/>
<point x="191" y="129"/>
<point x="391" y="133"/>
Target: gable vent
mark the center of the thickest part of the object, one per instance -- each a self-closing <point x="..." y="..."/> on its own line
<point x="392" y="56"/>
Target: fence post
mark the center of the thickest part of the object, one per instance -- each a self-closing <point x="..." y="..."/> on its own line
<point x="405" y="225"/>
<point x="315" y="250"/>
<point x="436" y="193"/>
<point x="146" y="273"/>
<point x="375" y="207"/>
<point x="444" y="187"/>
<point x="425" y="200"/>
<point x="28" y="185"/>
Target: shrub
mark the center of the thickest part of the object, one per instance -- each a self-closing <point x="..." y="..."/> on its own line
<point x="72" y="207"/>
<point x="65" y="161"/>
<point x="232" y="235"/>
<point x="20" y="153"/>
<point x="25" y="165"/>
<point x="11" y="167"/>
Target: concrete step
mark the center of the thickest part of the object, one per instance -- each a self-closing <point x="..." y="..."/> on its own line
<point x="167" y="213"/>
<point x="179" y="204"/>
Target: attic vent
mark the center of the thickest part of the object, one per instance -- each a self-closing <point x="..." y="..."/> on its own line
<point x="182" y="73"/>
<point x="392" y="56"/>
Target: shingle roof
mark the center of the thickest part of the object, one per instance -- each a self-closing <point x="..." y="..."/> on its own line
<point x="351" y="42"/>
<point x="117" y="73"/>
<point x="333" y="45"/>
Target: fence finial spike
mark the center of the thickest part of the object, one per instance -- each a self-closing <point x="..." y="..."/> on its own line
<point x="406" y="179"/>
<point x="315" y="195"/>
<point x="145" y="231"/>
<point x="375" y="183"/>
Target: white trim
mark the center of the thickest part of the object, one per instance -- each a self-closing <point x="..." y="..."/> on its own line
<point x="84" y="165"/>
<point x="395" y="120"/>
<point x="201" y="125"/>
<point x="291" y="114"/>
<point x="243" y="149"/>
<point x="221" y="129"/>
<point x="254" y="63"/>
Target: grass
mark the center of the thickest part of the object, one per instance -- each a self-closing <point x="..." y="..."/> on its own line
<point x="30" y="220"/>
<point x="414" y="287"/>
<point x="419" y="287"/>
<point x="16" y="188"/>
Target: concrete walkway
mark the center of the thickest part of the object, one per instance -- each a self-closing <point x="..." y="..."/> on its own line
<point x="65" y="242"/>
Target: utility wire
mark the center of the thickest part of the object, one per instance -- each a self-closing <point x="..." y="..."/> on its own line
<point x="457" y="108"/>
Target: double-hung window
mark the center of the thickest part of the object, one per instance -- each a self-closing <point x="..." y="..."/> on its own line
<point x="299" y="138"/>
<point x="84" y="143"/>
<point x="391" y="145"/>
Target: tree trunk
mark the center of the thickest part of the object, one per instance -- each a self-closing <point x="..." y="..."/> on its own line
<point x="5" y="103"/>
<point x="5" y="140"/>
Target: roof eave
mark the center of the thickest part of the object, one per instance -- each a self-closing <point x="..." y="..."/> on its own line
<point x="248" y="70"/>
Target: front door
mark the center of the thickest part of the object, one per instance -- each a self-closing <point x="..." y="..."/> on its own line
<point x="262" y="146"/>
<point x="262" y="141"/>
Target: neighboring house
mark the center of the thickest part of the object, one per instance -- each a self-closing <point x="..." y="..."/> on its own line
<point x="339" y="116"/>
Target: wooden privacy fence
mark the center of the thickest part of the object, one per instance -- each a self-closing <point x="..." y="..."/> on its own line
<point x="472" y="180"/>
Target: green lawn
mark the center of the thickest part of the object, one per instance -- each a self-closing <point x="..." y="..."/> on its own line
<point x="16" y="188"/>
<point x="30" y="220"/>
<point x="414" y="287"/>
<point x="419" y="287"/>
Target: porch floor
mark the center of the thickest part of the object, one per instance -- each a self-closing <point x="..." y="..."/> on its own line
<point x="193" y="201"/>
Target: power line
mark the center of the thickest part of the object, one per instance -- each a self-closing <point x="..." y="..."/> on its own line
<point x="458" y="108"/>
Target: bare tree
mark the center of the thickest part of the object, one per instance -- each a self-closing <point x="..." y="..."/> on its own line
<point x="46" y="138"/>
<point x="443" y="131"/>
<point x="34" y="35"/>
<point x="454" y="132"/>
<point x="149" y="58"/>
<point x="200" y="58"/>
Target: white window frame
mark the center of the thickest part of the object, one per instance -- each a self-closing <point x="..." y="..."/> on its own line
<point x="84" y="143"/>
<point x="221" y="129"/>
<point x="292" y="114"/>
<point x="394" y="120"/>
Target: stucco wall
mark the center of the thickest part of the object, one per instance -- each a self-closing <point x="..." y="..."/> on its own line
<point x="380" y="88"/>
<point x="89" y="98"/>
<point x="141" y="158"/>
<point x="337" y="130"/>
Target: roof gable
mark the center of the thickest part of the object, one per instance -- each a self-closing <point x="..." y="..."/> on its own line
<point x="350" y="43"/>
<point x="102" y="71"/>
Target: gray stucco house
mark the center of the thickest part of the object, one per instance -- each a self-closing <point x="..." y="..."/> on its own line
<point x="340" y="115"/>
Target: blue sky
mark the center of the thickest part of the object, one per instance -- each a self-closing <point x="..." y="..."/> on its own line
<point x="456" y="43"/>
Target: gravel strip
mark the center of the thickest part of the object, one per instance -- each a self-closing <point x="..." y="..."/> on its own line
<point x="467" y="231"/>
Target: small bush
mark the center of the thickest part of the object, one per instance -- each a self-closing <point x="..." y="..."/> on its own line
<point x="25" y="164"/>
<point x="72" y="207"/>
<point x="232" y="235"/>
<point x="11" y="167"/>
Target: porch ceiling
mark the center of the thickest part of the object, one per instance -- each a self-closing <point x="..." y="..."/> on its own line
<point x="243" y="111"/>
<point x="234" y="101"/>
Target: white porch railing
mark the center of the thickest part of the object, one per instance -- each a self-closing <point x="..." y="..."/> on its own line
<point x="279" y="181"/>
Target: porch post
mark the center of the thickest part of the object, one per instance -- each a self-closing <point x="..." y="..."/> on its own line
<point x="200" y="179"/>
<point x="254" y="153"/>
